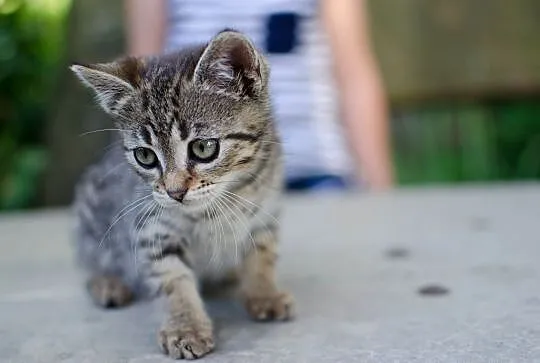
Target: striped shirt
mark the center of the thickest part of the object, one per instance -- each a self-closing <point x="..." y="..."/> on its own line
<point x="302" y="89"/>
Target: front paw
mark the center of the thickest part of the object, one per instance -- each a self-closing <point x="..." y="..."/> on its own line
<point x="270" y="306"/>
<point x="181" y="340"/>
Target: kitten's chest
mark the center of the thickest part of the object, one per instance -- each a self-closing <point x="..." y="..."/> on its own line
<point x="218" y="245"/>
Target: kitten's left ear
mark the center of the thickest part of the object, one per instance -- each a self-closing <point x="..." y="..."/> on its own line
<point x="113" y="83"/>
<point x="231" y="64"/>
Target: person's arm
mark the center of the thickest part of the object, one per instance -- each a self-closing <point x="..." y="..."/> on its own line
<point x="146" y="24"/>
<point x="363" y="102"/>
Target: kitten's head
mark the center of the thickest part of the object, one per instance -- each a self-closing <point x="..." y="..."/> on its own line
<point x="194" y="123"/>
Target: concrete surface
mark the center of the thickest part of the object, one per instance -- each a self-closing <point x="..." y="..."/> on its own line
<point x="355" y="265"/>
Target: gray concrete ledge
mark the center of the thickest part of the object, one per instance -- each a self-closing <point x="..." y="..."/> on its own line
<point x="354" y="263"/>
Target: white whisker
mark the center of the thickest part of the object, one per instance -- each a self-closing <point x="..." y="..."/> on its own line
<point x="256" y="215"/>
<point x="212" y="216"/>
<point x="102" y="130"/>
<point x="238" y="218"/>
<point x="241" y="214"/>
<point x="122" y="214"/>
<point x="277" y="189"/>
<point x="219" y="213"/>
<point x="142" y="222"/>
<point x="259" y="207"/>
<point x="208" y="216"/>
<point x="110" y="171"/>
<point x="222" y="236"/>
<point x="222" y="205"/>
<point x="160" y="246"/>
<point x="112" y="145"/>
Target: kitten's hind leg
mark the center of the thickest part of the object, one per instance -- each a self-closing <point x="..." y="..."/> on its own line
<point x="109" y="291"/>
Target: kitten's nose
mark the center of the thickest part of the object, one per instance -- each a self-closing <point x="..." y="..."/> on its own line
<point x="177" y="194"/>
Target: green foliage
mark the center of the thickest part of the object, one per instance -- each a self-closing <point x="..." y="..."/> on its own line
<point x="498" y="141"/>
<point x="518" y="140"/>
<point x="31" y="35"/>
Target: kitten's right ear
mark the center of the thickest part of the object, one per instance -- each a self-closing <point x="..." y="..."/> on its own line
<point x="230" y="63"/>
<point x="113" y="83"/>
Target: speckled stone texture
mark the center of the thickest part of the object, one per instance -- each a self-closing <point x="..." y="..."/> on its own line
<point x="357" y="266"/>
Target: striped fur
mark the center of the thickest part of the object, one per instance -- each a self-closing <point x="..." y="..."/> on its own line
<point x="135" y="240"/>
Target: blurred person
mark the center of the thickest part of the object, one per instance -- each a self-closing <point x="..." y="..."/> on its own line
<point x="312" y="46"/>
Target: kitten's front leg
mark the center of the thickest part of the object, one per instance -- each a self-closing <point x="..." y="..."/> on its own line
<point x="187" y="332"/>
<point x="261" y="295"/>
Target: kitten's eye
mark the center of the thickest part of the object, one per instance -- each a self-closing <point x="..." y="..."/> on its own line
<point x="145" y="157"/>
<point x="204" y="150"/>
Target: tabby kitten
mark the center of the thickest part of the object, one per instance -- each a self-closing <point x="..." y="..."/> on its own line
<point x="190" y="196"/>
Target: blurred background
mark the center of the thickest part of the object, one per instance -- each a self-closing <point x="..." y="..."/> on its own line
<point x="462" y="76"/>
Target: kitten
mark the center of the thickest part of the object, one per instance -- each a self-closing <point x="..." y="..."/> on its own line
<point x="189" y="197"/>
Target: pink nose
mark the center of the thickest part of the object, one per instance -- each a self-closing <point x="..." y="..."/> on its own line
<point x="177" y="194"/>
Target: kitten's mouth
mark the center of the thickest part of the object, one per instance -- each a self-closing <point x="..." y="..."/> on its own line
<point x="192" y="199"/>
<point x="164" y="201"/>
<point x="197" y="198"/>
